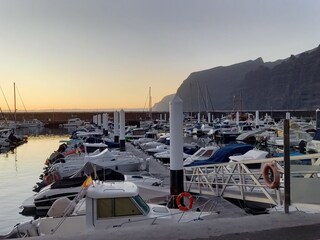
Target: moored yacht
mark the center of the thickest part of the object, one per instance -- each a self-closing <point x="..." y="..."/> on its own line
<point x="40" y="203"/>
<point x="107" y="205"/>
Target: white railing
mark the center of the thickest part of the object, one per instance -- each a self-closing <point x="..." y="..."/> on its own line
<point x="239" y="180"/>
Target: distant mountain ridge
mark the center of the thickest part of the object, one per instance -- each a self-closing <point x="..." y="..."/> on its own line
<point x="163" y="105"/>
<point x="289" y="84"/>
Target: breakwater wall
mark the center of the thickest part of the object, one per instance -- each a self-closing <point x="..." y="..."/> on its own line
<point x="62" y="117"/>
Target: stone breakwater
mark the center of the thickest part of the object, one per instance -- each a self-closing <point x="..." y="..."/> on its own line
<point x="63" y="116"/>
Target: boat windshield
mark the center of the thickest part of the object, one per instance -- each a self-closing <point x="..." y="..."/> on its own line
<point x="142" y="204"/>
<point x="208" y="153"/>
<point x="199" y="153"/>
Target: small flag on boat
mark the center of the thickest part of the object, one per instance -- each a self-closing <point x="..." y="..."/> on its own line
<point x="87" y="182"/>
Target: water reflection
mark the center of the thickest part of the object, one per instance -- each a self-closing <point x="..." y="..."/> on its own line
<point x="20" y="169"/>
<point x="15" y="159"/>
<point x="36" y="131"/>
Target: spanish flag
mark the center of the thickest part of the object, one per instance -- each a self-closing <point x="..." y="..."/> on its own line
<point x="87" y="182"/>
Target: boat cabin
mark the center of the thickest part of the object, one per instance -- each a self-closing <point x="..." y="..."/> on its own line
<point x="135" y="133"/>
<point x="115" y="201"/>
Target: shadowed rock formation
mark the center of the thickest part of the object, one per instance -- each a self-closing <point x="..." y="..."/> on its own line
<point x="290" y="84"/>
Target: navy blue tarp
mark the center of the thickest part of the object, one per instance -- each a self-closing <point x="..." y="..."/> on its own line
<point x="222" y="155"/>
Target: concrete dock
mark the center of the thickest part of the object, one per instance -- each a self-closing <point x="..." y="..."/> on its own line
<point x="227" y="222"/>
<point x="293" y="226"/>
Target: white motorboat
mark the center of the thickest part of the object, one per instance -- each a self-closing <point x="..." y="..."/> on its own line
<point x="148" y="137"/>
<point x="119" y="161"/>
<point x="164" y="156"/>
<point x="75" y="150"/>
<point x="40" y="203"/>
<point x="73" y="122"/>
<point x="107" y="205"/>
<point x="254" y="154"/>
<point x="249" y="136"/>
<point x="202" y="154"/>
<point x="188" y="150"/>
<point x="9" y="139"/>
<point x="135" y="133"/>
<point x="313" y="146"/>
<point x="161" y="140"/>
<point x="158" y="149"/>
<point x="31" y="123"/>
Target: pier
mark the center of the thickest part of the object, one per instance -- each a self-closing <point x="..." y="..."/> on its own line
<point x="277" y="226"/>
<point x="238" y="181"/>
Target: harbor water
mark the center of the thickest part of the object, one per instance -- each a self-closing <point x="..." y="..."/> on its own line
<point x="19" y="171"/>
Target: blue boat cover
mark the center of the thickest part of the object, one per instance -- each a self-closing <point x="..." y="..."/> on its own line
<point x="222" y="155"/>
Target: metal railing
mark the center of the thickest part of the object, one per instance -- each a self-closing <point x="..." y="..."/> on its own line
<point x="239" y="180"/>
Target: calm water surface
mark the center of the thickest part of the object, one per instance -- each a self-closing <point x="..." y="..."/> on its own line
<point x="20" y="170"/>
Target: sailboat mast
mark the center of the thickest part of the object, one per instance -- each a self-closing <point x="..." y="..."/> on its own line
<point x="15" y="107"/>
<point x="150" y="104"/>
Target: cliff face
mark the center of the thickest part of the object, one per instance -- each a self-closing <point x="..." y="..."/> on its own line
<point x="215" y="88"/>
<point x="290" y="84"/>
<point x="163" y="105"/>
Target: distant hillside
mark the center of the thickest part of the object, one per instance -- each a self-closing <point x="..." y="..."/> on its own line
<point x="163" y="105"/>
<point x="215" y="88"/>
<point x="289" y="84"/>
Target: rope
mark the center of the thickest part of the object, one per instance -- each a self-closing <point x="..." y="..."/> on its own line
<point x="7" y="103"/>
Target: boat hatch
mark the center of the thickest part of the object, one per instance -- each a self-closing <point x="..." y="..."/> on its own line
<point x="160" y="210"/>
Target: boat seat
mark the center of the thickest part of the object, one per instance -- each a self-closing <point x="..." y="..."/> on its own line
<point x="61" y="207"/>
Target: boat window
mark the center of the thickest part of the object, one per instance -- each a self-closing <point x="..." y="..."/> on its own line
<point x="105" y="208"/>
<point x="208" y="153"/>
<point x="142" y="204"/>
<point x="138" y="132"/>
<point x="116" y="207"/>
<point x="199" y="153"/>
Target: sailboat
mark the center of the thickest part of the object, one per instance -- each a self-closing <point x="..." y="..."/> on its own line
<point x="25" y="123"/>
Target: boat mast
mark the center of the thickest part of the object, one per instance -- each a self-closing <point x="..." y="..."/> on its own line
<point x="150" y="104"/>
<point x="199" y="112"/>
<point x="15" y="107"/>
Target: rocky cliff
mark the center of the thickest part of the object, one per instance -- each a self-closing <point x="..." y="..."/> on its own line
<point x="292" y="84"/>
<point x="163" y="105"/>
<point x="289" y="84"/>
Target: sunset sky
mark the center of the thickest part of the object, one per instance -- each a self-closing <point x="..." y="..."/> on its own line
<point x="103" y="54"/>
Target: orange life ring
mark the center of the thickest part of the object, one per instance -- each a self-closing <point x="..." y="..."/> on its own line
<point x="180" y="197"/>
<point x="271" y="175"/>
<point x="51" y="178"/>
